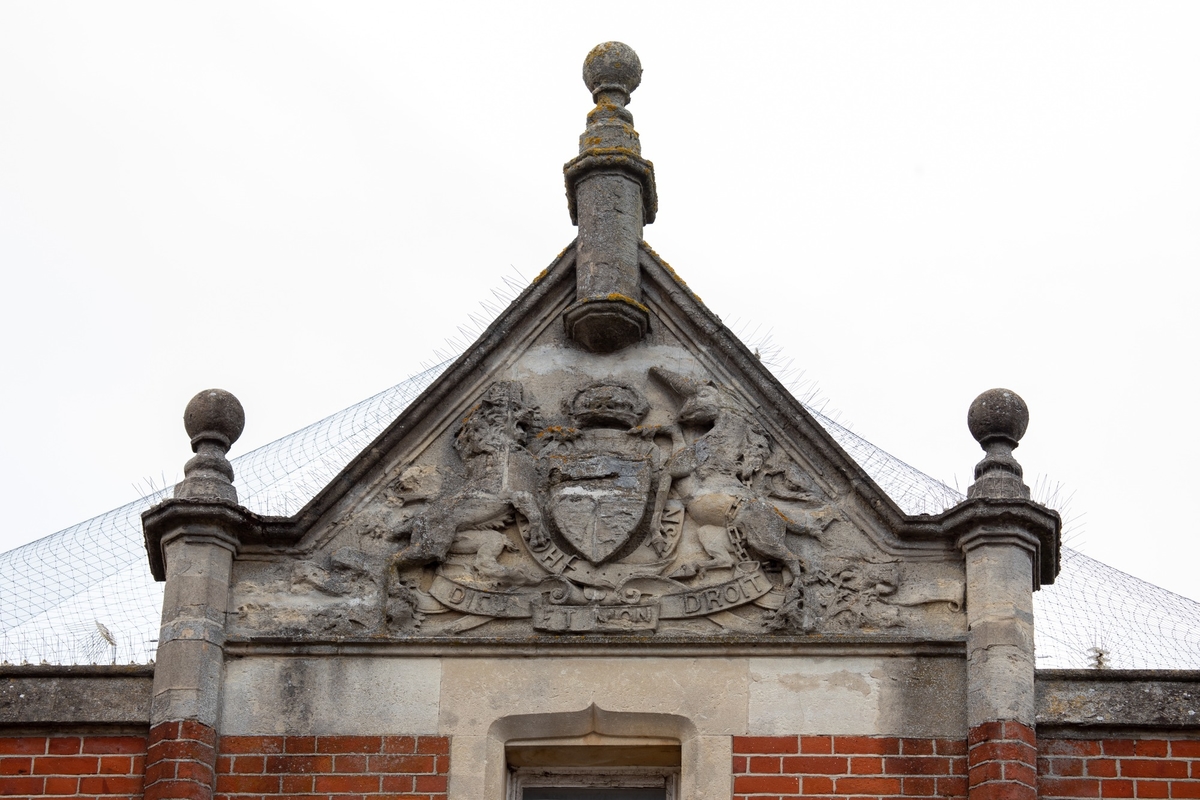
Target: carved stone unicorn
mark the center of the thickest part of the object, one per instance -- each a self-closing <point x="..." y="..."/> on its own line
<point x="714" y="476"/>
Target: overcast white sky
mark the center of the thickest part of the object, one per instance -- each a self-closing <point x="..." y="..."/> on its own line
<point x="299" y="202"/>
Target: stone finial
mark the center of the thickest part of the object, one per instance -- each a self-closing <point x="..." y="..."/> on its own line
<point x="612" y="67"/>
<point x="214" y="419"/>
<point x="611" y="195"/>
<point x="998" y="419"/>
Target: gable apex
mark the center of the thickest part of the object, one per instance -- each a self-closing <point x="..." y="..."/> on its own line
<point x="607" y="458"/>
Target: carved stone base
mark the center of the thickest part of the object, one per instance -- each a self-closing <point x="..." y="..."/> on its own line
<point x="606" y="325"/>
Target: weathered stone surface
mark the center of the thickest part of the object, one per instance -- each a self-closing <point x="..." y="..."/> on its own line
<point x="579" y="495"/>
<point x="214" y="419"/>
<point x="1092" y="699"/>
<point x="331" y="695"/>
<point x="187" y="677"/>
<point x="607" y="523"/>
<point x="798" y="696"/>
<point x="923" y="697"/>
<point x="711" y="693"/>
<point x="703" y="757"/>
<point x="1000" y="627"/>
<point x="849" y="695"/>
<point x="85" y="696"/>
<point x="998" y="419"/>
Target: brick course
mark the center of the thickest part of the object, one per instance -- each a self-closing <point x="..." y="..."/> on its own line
<point x="1002" y="761"/>
<point x="109" y="767"/>
<point x="1085" y="768"/>
<point x="416" y="767"/>
<point x="408" y="767"/>
<point x="786" y="767"/>
<point x="180" y="760"/>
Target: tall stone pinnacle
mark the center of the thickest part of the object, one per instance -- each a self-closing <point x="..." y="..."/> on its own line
<point x="611" y="195"/>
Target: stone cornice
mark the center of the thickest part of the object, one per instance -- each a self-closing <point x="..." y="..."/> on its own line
<point x="219" y="522"/>
<point x="605" y="647"/>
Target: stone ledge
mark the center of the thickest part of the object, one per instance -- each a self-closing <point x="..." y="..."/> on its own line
<point x="603" y="647"/>
<point x="103" y="696"/>
<point x="1114" y="699"/>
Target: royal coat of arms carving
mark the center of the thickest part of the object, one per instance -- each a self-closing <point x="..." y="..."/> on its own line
<point x="584" y="519"/>
<point x="590" y="521"/>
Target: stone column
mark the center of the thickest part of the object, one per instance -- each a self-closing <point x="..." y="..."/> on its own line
<point x="611" y="194"/>
<point x="1004" y="540"/>
<point x="192" y="540"/>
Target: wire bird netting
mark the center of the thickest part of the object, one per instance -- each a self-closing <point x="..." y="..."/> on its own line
<point x="55" y="606"/>
<point x="58" y="608"/>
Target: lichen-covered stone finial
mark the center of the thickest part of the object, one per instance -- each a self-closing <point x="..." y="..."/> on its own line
<point x="998" y="419"/>
<point x="612" y="67"/>
<point x="214" y="419"/>
<point x="611" y="195"/>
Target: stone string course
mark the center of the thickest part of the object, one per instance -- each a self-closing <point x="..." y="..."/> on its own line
<point x="847" y="766"/>
<point x="91" y="767"/>
<point x="1075" y="768"/>
<point x="411" y="767"/>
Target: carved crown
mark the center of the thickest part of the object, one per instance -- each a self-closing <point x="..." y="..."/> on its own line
<point x="608" y="404"/>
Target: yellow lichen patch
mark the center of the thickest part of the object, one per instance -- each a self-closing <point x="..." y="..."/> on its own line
<point x="617" y="297"/>
<point x="558" y="432"/>
<point x="670" y="270"/>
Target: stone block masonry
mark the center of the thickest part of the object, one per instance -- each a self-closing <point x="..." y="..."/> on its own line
<point x="786" y="767"/>
<point x="93" y="767"/>
<point x="1076" y="768"/>
<point x="412" y="767"/>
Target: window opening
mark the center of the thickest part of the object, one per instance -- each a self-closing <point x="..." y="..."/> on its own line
<point x="594" y="783"/>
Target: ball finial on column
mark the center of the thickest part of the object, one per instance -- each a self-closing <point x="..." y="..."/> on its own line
<point x="214" y="419"/>
<point x="612" y="66"/>
<point x="998" y="419"/>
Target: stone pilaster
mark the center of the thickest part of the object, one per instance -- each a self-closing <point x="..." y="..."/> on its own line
<point x="192" y="540"/>
<point x="1007" y="542"/>
<point x="611" y="195"/>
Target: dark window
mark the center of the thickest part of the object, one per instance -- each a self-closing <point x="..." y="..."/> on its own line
<point x="593" y="793"/>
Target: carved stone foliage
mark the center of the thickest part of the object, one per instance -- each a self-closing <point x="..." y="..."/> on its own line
<point x="589" y="521"/>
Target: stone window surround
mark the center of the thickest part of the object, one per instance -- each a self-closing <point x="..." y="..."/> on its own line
<point x="567" y="741"/>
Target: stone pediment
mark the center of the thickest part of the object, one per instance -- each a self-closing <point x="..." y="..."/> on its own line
<point x="538" y="489"/>
<point x="607" y="460"/>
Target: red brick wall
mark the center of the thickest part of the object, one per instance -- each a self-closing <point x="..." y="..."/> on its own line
<point x="1002" y="761"/>
<point x="787" y="767"/>
<point x="414" y="767"/>
<point x="180" y="761"/>
<point x="111" y="767"/>
<point x="79" y="766"/>
<point x="1074" y="768"/>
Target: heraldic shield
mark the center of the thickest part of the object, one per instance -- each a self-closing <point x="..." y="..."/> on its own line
<point x="598" y="502"/>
